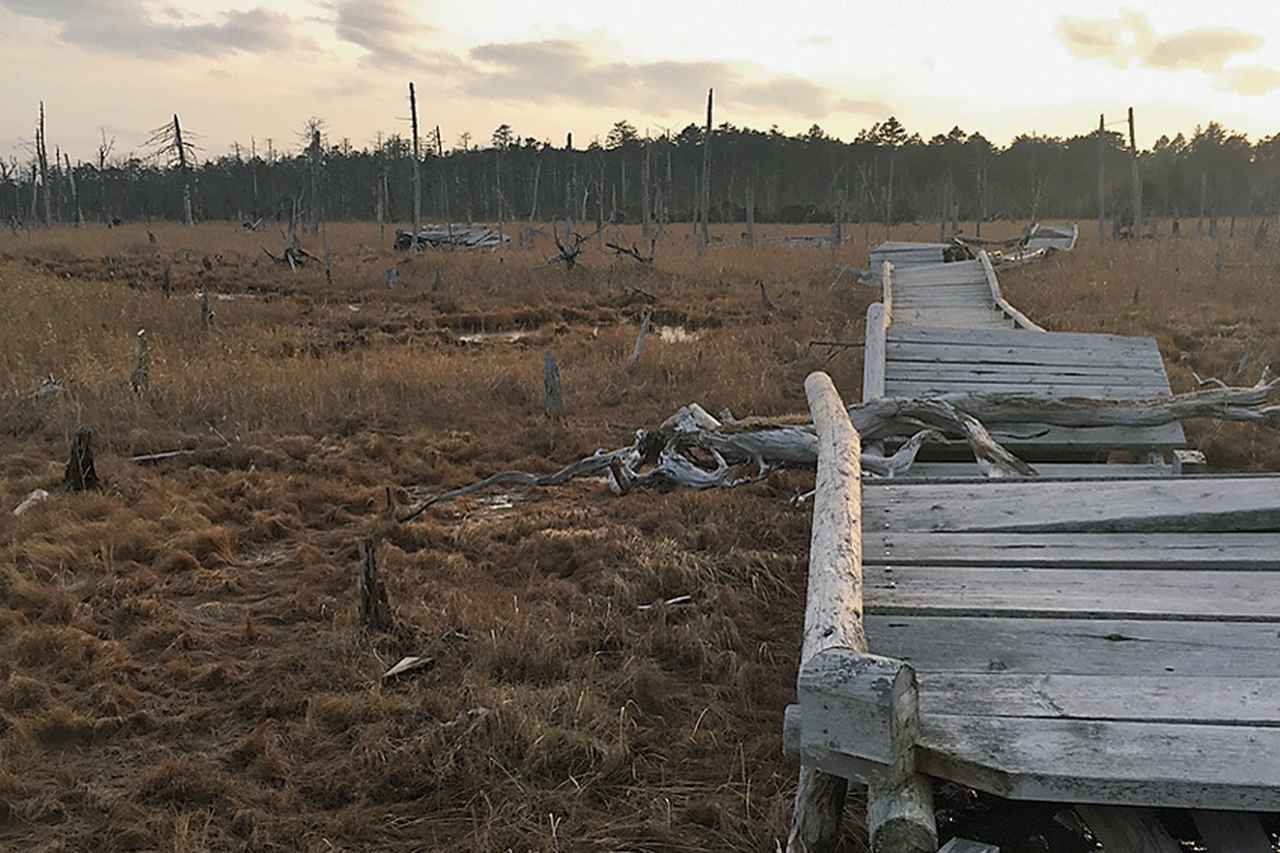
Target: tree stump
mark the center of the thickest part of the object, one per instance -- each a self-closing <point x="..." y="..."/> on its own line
<point x="142" y="364"/>
<point x="552" y="399"/>
<point x="375" y="612"/>
<point x="80" y="474"/>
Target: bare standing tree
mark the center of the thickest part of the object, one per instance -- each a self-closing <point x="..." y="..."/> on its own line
<point x="417" y="168"/>
<point x="167" y="143"/>
<point x="75" y="196"/>
<point x="705" y="235"/>
<point x="104" y="151"/>
<point x="42" y="156"/>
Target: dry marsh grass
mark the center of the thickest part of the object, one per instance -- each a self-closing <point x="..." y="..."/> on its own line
<point x="181" y="666"/>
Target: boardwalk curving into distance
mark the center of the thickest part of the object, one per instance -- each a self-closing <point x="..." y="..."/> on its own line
<point x="1108" y="638"/>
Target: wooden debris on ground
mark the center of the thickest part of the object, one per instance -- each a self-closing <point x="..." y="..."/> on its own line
<point x="455" y="236"/>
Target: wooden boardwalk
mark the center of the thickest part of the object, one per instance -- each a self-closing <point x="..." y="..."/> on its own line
<point x="947" y="328"/>
<point x="1110" y="640"/>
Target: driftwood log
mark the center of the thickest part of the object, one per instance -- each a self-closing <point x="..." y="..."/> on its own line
<point x="693" y="449"/>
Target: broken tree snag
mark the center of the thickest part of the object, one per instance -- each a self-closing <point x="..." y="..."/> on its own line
<point x="80" y="474"/>
<point x="375" y="612"/>
<point x="206" y="311"/>
<point x="644" y="330"/>
<point x="765" y="301"/>
<point x="552" y="400"/>
<point x="142" y="364"/>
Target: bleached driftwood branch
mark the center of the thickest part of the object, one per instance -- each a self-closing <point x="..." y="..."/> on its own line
<point x="693" y="449"/>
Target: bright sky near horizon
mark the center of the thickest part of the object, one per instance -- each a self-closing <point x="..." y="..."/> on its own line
<point x="236" y="69"/>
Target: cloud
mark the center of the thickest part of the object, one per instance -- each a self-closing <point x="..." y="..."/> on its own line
<point x="1130" y="38"/>
<point x="387" y="30"/>
<point x="1116" y="40"/>
<point x="557" y="69"/>
<point x="1206" y="49"/>
<point x="1250" y="80"/>
<point x="125" y="26"/>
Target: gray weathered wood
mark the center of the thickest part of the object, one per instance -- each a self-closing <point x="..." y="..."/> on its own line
<point x="896" y="387"/>
<point x="860" y="706"/>
<point x="1022" y="321"/>
<point x="958" y="644"/>
<point x="1162" y="698"/>
<point x="957" y="470"/>
<point x="1115" y="551"/>
<point x="1075" y="593"/>
<point x="873" y="363"/>
<point x="900" y="812"/>
<point x="1204" y="504"/>
<point x="1121" y="763"/>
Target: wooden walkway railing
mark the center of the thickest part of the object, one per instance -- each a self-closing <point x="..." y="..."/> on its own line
<point x="872" y="700"/>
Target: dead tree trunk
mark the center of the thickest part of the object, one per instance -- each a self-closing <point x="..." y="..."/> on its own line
<point x="1136" y="178"/>
<point x="646" y="225"/>
<point x="75" y="196"/>
<point x="313" y="155"/>
<point x="375" y="612"/>
<point x="42" y="154"/>
<point x="80" y="474"/>
<point x="183" y="168"/>
<point x="417" y="173"/>
<point x="705" y="235"/>
<point x="1102" y="166"/>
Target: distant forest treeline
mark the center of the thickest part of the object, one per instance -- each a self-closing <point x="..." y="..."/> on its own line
<point x="884" y="172"/>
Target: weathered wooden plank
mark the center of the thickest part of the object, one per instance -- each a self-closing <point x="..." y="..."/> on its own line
<point x="898" y="387"/>
<point x="1117" y="551"/>
<point x="1077" y="646"/>
<point x="1138" y="506"/>
<point x="1044" y="593"/>
<point x="1044" y="439"/>
<point x="1024" y="338"/>
<point x="1231" y="832"/>
<point x="1056" y="373"/>
<point x="1139" y="698"/>
<point x="1115" y="763"/>
<point x="1086" y="470"/>
<point x="1138" y="360"/>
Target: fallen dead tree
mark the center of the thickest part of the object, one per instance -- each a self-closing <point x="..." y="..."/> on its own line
<point x="693" y="449"/>
<point x="452" y="236"/>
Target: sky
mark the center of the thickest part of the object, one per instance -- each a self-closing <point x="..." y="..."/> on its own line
<point x="242" y="70"/>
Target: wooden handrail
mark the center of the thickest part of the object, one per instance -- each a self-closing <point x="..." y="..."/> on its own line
<point x="900" y="804"/>
<point x="1023" y="321"/>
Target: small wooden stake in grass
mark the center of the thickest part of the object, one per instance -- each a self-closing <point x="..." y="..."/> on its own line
<point x="142" y="364"/>
<point x="644" y="330"/>
<point x="80" y="473"/>
<point x="375" y="612"/>
<point x="552" y="400"/>
<point x="206" y="311"/>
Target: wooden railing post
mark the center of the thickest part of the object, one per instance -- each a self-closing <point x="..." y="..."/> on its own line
<point x="879" y="316"/>
<point x="900" y="808"/>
